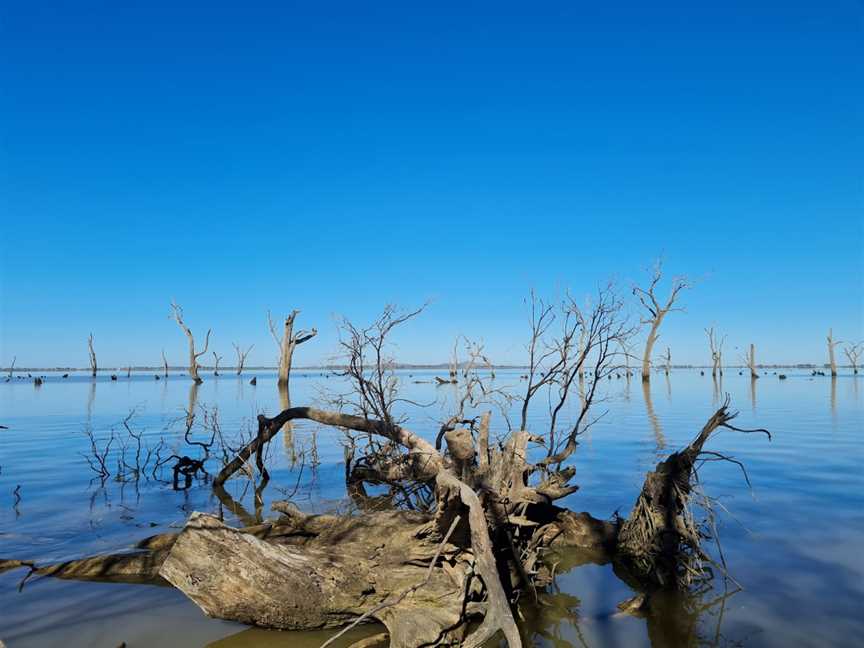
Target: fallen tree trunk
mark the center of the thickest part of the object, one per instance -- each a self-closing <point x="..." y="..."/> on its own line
<point x="448" y="577"/>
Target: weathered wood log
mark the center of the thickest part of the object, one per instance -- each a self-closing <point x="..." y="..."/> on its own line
<point x="347" y="570"/>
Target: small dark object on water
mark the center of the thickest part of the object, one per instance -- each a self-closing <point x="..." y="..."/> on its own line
<point x="782" y="376"/>
<point x="113" y="377"/>
<point x="701" y="373"/>
<point x="37" y="381"/>
<point x="740" y="373"/>
<point x="156" y="376"/>
<point x="187" y="467"/>
<point x="65" y="375"/>
<point x="254" y="380"/>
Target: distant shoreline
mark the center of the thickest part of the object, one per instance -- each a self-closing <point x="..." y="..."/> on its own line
<point x="400" y="367"/>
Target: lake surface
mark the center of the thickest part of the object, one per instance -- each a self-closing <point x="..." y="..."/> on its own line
<point x="794" y="542"/>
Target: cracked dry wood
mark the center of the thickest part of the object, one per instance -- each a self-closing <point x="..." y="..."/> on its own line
<point x="325" y="582"/>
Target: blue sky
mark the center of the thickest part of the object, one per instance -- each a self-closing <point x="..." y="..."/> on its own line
<point x="335" y="157"/>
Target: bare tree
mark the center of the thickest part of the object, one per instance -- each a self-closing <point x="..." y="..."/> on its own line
<point x="14" y="358"/>
<point x="177" y="315"/>
<point x="216" y="359"/>
<point x="241" y="356"/>
<point x="667" y="360"/>
<point x="852" y="351"/>
<point x="657" y="311"/>
<point x="831" y="361"/>
<point x="750" y="361"/>
<point x="165" y="363"/>
<point x="716" y="344"/>
<point x="287" y="342"/>
<point x="587" y="336"/>
<point x="92" y="356"/>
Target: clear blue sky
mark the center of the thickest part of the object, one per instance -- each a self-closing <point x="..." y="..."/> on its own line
<point x="336" y="157"/>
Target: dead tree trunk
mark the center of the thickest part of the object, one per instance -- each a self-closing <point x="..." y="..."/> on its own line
<point x="93" y="367"/>
<point x="14" y="358"/>
<point x="716" y="345"/>
<point x="660" y="542"/>
<point x="216" y="359"/>
<point x="656" y="312"/>
<point x="177" y="314"/>
<point x="751" y="362"/>
<point x="287" y="343"/>
<point x="241" y="356"/>
<point x="831" y="361"/>
<point x="164" y="363"/>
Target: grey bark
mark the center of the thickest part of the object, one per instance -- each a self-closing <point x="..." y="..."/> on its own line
<point x="287" y="343"/>
<point x="831" y="360"/>
<point x="177" y="314"/>
<point x="656" y="312"/>
<point x="241" y="356"/>
<point x="93" y="367"/>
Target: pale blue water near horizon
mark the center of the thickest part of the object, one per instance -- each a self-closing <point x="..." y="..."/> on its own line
<point x="794" y="542"/>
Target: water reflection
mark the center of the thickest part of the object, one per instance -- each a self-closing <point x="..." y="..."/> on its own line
<point x="91" y="397"/>
<point x="753" y="380"/>
<point x="287" y="429"/>
<point x="718" y="390"/>
<point x="652" y="417"/>
<point x="671" y="619"/>
<point x="193" y="403"/>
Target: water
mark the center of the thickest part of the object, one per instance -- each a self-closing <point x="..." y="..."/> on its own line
<point x="793" y="542"/>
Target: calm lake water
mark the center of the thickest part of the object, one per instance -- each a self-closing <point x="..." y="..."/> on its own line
<point x="794" y="542"/>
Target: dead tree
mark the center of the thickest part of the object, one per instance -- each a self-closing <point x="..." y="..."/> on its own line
<point x="14" y="358"/>
<point x="177" y="315"/>
<point x="852" y="351"/>
<point x="93" y="367"/>
<point x="164" y="363"/>
<point x="831" y="361"/>
<point x="216" y="359"/>
<point x="241" y="356"/>
<point x="716" y="345"/>
<point x="287" y="342"/>
<point x="667" y="359"/>
<point x="750" y="361"/>
<point x="656" y="311"/>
